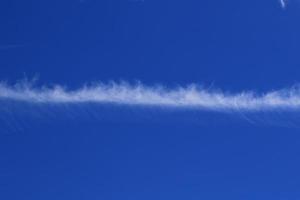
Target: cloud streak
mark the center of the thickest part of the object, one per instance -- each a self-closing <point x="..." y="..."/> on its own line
<point x="283" y="3"/>
<point x="189" y="97"/>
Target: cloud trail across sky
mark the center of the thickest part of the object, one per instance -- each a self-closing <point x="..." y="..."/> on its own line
<point x="283" y="3"/>
<point x="189" y="97"/>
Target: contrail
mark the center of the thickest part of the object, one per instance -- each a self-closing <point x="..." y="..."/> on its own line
<point x="191" y="96"/>
<point x="283" y="3"/>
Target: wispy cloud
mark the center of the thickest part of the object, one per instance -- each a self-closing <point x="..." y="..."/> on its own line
<point x="191" y="96"/>
<point x="283" y="3"/>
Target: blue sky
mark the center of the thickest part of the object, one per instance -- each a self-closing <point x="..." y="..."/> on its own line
<point x="67" y="149"/>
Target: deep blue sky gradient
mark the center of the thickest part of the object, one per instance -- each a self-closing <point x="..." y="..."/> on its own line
<point x="111" y="152"/>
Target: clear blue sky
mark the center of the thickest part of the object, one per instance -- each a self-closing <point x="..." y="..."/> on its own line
<point x="126" y="152"/>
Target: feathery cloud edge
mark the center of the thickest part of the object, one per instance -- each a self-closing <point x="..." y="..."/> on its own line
<point x="283" y="3"/>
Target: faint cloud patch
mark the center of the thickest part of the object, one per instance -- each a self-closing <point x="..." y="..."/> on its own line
<point x="283" y="3"/>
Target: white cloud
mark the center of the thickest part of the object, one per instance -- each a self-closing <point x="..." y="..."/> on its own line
<point x="182" y="97"/>
<point x="283" y="3"/>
